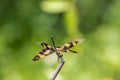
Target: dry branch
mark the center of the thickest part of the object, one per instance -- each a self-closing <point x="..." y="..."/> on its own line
<point x="58" y="69"/>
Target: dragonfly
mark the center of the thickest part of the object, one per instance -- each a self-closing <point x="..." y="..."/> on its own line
<point x="47" y="49"/>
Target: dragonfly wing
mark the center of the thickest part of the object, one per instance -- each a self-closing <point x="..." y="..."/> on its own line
<point x="45" y="52"/>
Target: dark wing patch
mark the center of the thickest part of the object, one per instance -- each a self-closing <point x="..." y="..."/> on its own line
<point x="45" y="45"/>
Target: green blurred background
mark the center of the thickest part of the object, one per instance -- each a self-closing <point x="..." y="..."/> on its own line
<point x="25" y="22"/>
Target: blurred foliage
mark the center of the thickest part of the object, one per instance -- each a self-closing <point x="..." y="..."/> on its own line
<point x="25" y="22"/>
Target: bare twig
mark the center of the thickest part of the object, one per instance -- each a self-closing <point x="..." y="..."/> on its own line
<point x="58" y="69"/>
